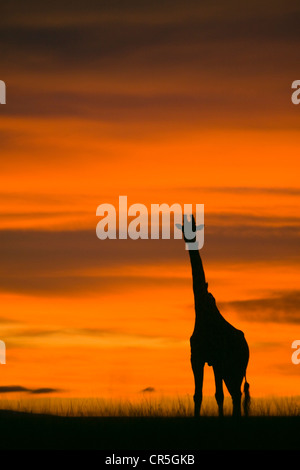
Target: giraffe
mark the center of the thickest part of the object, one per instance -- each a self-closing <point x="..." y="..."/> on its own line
<point x="215" y="341"/>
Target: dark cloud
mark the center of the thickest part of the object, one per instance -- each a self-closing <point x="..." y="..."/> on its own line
<point x="51" y="262"/>
<point x="19" y="388"/>
<point x="37" y="215"/>
<point x="4" y="320"/>
<point x="285" y="191"/>
<point x="13" y="389"/>
<point x="28" y="252"/>
<point x="247" y="20"/>
<point x="39" y="391"/>
<point x="215" y="57"/>
<point x="95" y="332"/>
<point x="280" y="307"/>
<point x="147" y="10"/>
<point x="201" y="105"/>
<point x="107" y="42"/>
<point x="80" y="285"/>
<point x="148" y="390"/>
<point x="118" y="107"/>
<point x="35" y="333"/>
<point x="286" y="369"/>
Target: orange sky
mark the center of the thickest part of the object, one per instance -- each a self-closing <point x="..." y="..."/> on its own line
<point x="161" y="107"/>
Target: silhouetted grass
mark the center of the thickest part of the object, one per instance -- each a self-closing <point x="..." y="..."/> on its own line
<point x="151" y="422"/>
<point x="147" y="406"/>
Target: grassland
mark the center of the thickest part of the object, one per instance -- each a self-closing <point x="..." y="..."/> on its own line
<point x="146" y="406"/>
<point x="151" y="423"/>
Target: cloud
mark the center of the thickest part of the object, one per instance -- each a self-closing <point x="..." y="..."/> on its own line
<point x="286" y="369"/>
<point x="59" y="262"/>
<point x="148" y="390"/>
<point x="285" y="191"/>
<point x="91" y="337"/>
<point x="109" y="106"/>
<point x="39" y="391"/>
<point x="13" y="389"/>
<point x="4" y="320"/>
<point x="279" y="307"/>
<point x="187" y="51"/>
<point x="79" y="285"/>
<point x="19" y="388"/>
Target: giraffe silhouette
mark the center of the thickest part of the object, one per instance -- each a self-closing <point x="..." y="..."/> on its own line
<point x="215" y="341"/>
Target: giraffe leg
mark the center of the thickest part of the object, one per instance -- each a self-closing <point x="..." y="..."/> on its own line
<point x="198" y="369"/>
<point x="233" y="385"/>
<point x="236" y="402"/>
<point x="219" y="395"/>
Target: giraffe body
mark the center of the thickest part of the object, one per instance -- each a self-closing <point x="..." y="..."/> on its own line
<point x="220" y="345"/>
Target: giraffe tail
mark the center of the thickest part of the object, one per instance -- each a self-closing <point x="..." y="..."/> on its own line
<point x="246" y="403"/>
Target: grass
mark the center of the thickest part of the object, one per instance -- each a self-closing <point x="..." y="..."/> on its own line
<point x="147" y="406"/>
<point x="150" y="423"/>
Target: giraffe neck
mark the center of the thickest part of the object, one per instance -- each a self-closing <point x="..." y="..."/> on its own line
<point x="199" y="288"/>
<point x="199" y="281"/>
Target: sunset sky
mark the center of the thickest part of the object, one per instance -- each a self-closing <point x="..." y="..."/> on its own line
<point x="165" y="102"/>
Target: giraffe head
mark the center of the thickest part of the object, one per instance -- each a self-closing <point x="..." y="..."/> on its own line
<point x="189" y="228"/>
